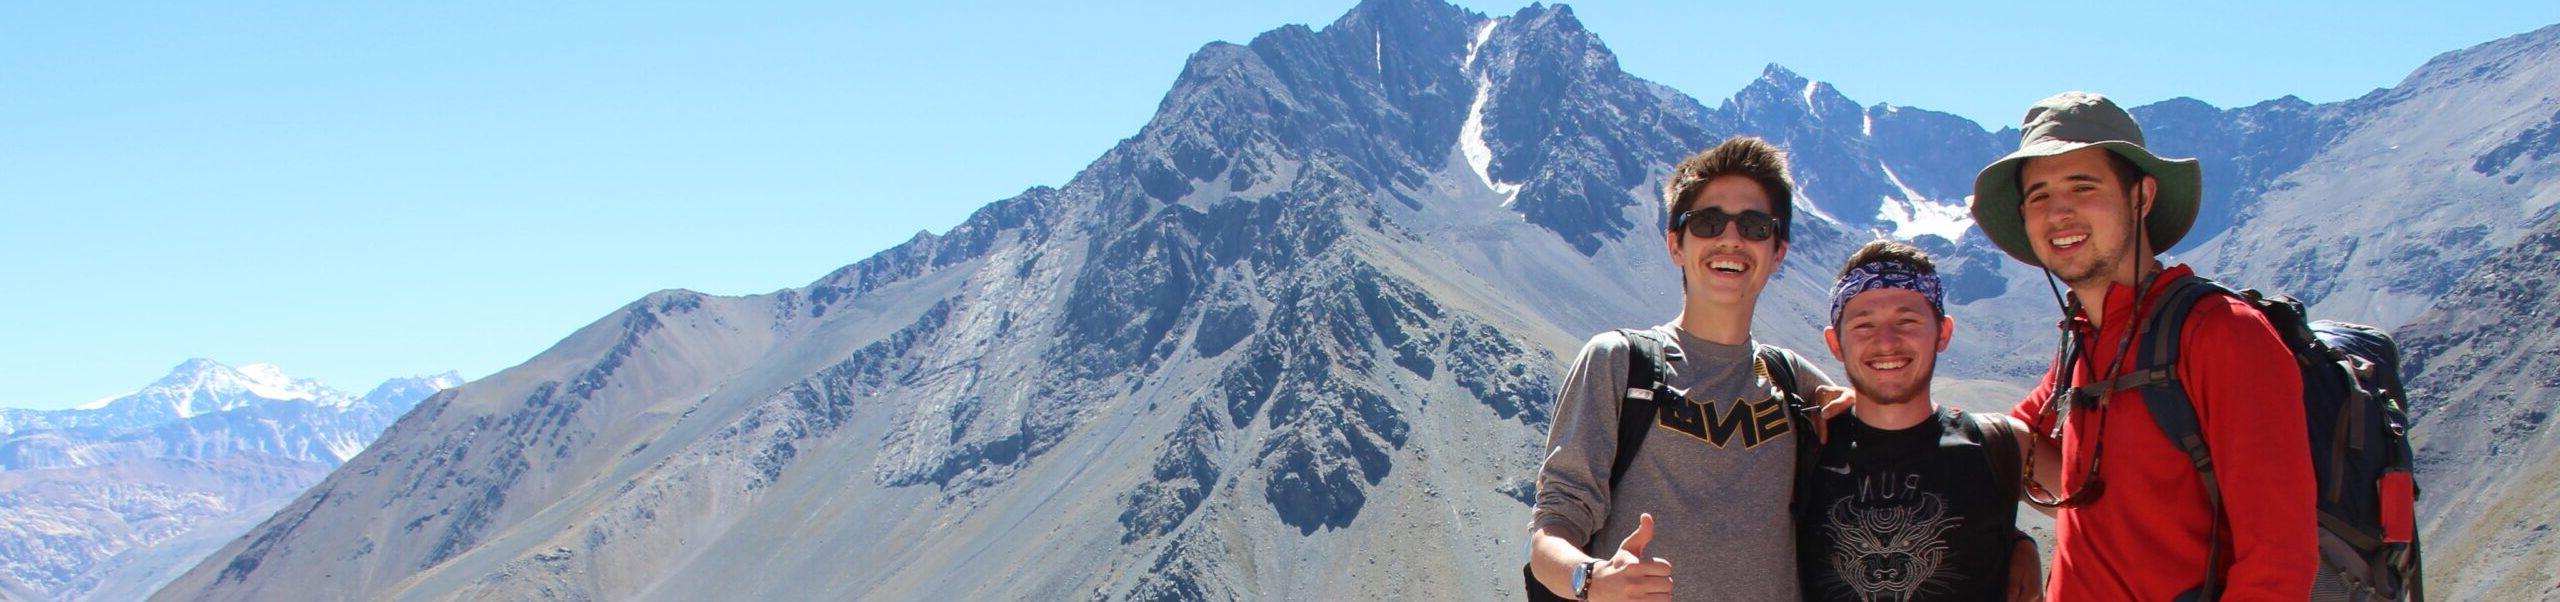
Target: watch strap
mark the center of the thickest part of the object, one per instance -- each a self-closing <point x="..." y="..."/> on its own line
<point x="1582" y="579"/>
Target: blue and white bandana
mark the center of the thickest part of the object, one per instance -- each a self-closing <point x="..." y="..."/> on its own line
<point x="1886" y="274"/>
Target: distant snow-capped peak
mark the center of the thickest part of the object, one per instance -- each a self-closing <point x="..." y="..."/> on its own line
<point x="411" y="388"/>
<point x="202" y="386"/>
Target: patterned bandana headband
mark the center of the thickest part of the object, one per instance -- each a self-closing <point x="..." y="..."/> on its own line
<point x="1883" y="275"/>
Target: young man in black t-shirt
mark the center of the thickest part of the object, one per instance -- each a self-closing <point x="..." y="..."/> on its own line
<point x="1910" y="500"/>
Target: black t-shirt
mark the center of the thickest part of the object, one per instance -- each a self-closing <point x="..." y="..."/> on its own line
<point x="1913" y="514"/>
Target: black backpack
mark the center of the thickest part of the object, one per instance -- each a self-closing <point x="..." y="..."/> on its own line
<point x="1648" y="382"/>
<point x="2359" y="423"/>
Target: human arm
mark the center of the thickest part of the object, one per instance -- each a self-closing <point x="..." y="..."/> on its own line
<point x="2042" y="452"/>
<point x="1811" y="382"/>
<point x="2046" y="467"/>
<point x="1574" y="483"/>
<point x="1626" y="575"/>
<point x="2026" y="570"/>
<point x="1553" y="559"/>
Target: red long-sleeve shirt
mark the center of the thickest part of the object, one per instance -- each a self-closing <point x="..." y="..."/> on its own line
<point x="2144" y="538"/>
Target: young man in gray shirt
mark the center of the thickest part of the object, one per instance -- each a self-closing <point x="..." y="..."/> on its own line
<point x="1702" y="511"/>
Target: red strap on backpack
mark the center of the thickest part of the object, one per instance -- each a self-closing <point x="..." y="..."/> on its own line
<point x="2399" y="507"/>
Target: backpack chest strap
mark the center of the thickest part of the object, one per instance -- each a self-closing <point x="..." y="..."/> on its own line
<point x="2097" y="392"/>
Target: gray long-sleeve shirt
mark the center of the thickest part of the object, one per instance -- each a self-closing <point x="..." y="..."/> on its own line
<point x="1717" y="477"/>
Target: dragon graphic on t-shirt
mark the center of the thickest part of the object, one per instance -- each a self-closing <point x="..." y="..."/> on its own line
<point x="1889" y="553"/>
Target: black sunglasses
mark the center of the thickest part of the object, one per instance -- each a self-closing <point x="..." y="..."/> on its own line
<point x="1709" y="222"/>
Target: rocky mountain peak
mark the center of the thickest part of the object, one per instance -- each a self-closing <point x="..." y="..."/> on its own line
<point x="1555" y="28"/>
<point x="1552" y="117"/>
<point x="202" y="386"/>
<point x="1403" y="18"/>
<point x="1779" y="77"/>
<point x="1779" y="94"/>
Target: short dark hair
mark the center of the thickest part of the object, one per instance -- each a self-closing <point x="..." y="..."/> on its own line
<point x="1892" y="251"/>
<point x="1747" y="156"/>
<point x="2127" y="174"/>
<point x="1884" y="250"/>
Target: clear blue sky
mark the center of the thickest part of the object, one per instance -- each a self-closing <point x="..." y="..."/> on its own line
<point x="355" y="191"/>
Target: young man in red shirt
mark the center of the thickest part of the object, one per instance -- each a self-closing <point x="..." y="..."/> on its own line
<point x="2084" y="200"/>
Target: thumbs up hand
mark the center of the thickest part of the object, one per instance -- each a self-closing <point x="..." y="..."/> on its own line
<point x="1630" y="575"/>
<point x="1643" y="536"/>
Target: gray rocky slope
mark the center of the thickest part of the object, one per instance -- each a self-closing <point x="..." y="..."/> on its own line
<point x="2485" y="393"/>
<point x="1295" y="339"/>
<point x="2410" y="187"/>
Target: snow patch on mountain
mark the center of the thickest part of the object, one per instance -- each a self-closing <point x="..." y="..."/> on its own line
<point x="1483" y="33"/>
<point x="101" y="403"/>
<point x="268" y="381"/>
<point x="1471" y="136"/>
<point x="1913" y="214"/>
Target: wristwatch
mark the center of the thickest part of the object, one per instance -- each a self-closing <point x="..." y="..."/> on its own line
<point x="1582" y="579"/>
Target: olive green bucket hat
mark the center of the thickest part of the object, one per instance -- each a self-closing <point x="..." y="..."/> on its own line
<point x="2072" y="121"/>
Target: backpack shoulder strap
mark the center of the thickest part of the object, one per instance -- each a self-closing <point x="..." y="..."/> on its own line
<point x="1647" y="385"/>
<point x="1999" y="439"/>
<point x="2155" y="373"/>
<point x="2168" y="318"/>
<point x="1781" y="366"/>
<point x="1782" y="369"/>
<point x="2173" y="410"/>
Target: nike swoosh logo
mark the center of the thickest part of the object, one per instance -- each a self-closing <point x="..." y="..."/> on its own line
<point x="1841" y="469"/>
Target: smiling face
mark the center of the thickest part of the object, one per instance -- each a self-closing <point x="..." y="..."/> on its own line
<point x="1727" y="269"/>
<point x="1889" y="340"/>
<point x="2079" y="216"/>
